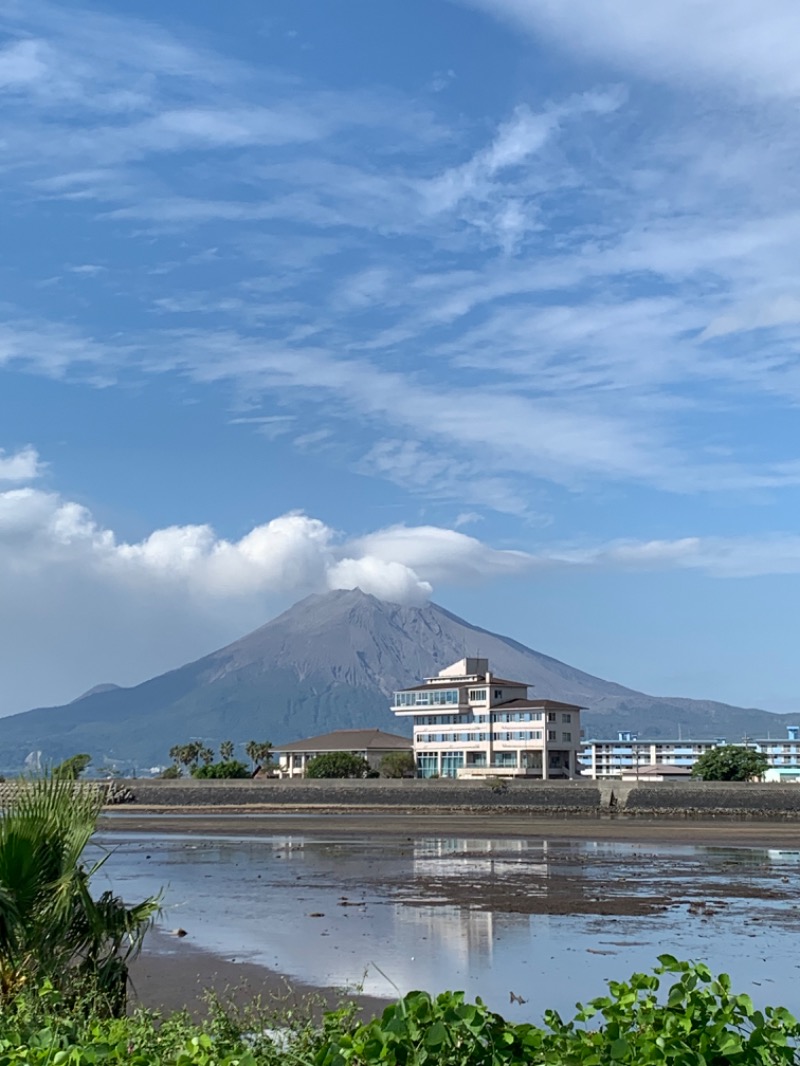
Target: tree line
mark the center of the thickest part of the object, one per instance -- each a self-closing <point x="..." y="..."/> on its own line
<point x="199" y="760"/>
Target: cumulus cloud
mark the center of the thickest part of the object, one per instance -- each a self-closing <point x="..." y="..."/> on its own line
<point x="23" y="465"/>
<point x="95" y="607"/>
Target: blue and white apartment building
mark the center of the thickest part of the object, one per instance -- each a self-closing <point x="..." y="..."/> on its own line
<point x="469" y="723"/>
<point x="627" y="754"/>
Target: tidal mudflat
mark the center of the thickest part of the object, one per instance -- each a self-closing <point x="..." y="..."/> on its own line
<point x="546" y="919"/>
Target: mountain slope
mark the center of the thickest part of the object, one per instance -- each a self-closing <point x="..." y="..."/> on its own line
<point x="332" y="661"/>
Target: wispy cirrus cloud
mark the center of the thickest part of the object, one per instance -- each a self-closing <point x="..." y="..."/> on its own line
<point x="732" y="46"/>
<point x="595" y="287"/>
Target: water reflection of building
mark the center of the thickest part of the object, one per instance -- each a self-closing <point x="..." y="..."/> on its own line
<point x="467" y="935"/>
<point x="512" y="880"/>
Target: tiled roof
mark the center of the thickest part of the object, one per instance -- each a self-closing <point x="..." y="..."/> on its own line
<point x="665" y="769"/>
<point x="350" y="740"/>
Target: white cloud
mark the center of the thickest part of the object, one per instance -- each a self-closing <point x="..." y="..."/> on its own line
<point x="21" y="64"/>
<point x="444" y="556"/>
<point x="23" y="465"/>
<point x="731" y="557"/>
<point x="95" y="607"/>
<point x="574" y="275"/>
<point x="750" y="47"/>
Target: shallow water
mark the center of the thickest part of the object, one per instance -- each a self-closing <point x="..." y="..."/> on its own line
<point x="547" y="921"/>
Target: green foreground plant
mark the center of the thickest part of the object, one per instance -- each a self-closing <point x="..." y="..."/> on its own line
<point x="700" y="1022"/>
<point x="52" y="931"/>
<point x="696" y="1020"/>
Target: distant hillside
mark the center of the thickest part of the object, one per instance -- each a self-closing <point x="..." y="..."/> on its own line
<point x="96" y="690"/>
<point x="331" y="662"/>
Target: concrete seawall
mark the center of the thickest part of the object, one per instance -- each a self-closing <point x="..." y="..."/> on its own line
<point x="628" y="800"/>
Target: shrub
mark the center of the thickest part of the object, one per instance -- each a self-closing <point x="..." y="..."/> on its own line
<point x="230" y="769"/>
<point x="339" y="764"/>
<point x="696" y="1021"/>
<point x="398" y="764"/>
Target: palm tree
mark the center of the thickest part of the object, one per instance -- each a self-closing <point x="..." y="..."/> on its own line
<point x="51" y="928"/>
<point x="189" y="754"/>
<point x="226" y="750"/>
<point x="258" y="751"/>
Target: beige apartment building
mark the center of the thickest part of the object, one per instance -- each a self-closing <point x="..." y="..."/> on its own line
<point x="469" y="723"/>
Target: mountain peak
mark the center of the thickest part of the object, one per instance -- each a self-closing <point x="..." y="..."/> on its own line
<point x="332" y="662"/>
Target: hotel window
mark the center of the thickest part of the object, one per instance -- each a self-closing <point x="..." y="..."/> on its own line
<point x="535" y="734"/>
<point x="478" y="695"/>
<point x="566" y="736"/>
<point x="427" y="765"/>
<point x="551" y="717"/>
<point x="536" y="716"/>
<point x="566" y="718"/>
<point x="551" y="734"/>
<point x="452" y="761"/>
<point x="498" y="693"/>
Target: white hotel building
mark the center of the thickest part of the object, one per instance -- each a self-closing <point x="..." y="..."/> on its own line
<point x="469" y="723"/>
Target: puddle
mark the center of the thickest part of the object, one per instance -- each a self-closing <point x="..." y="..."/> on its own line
<point x="549" y="922"/>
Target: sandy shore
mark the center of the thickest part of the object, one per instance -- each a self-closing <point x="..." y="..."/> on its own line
<point x="172" y="974"/>
<point x="495" y="826"/>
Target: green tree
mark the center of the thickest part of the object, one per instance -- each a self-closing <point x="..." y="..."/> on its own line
<point x="51" y="928"/>
<point x="170" y="772"/>
<point x="398" y="764"/>
<point x="338" y="764"/>
<point x="206" y="755"/>
<point x="226" y="750"/>
<point x="233" y="768"/>
<point x="259" y="752"/>
<point x="730" y="763"/>
<point x="72" y="768"/>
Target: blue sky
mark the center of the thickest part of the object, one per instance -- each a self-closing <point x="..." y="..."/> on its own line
<point x="491" y="301"/>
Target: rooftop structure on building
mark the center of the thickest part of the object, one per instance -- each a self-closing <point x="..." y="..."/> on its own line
<point x="469" y="723"/>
